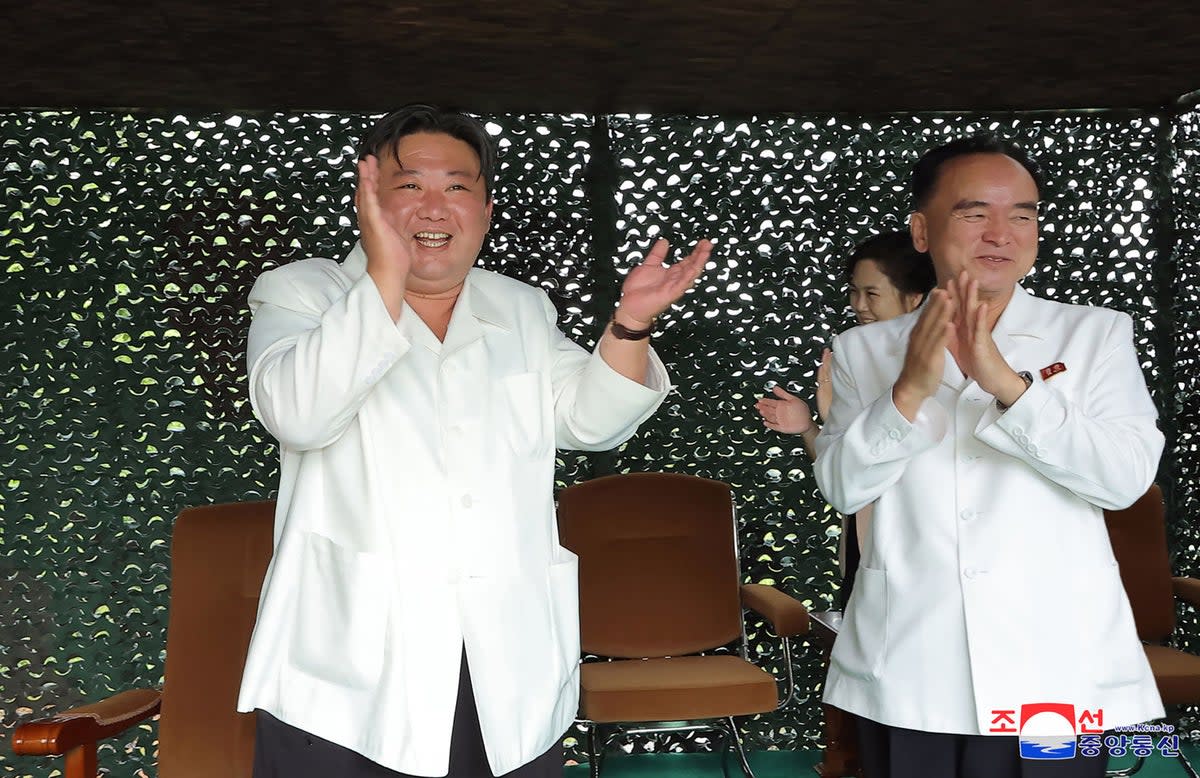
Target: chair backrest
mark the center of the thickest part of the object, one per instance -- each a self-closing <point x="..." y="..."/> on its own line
<point x="658" y="567"/>
<point x="219" y="554"/>
<point x="1139" y="541"/>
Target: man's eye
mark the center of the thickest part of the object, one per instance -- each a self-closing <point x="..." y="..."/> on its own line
<point x="1023" y="219"/>
<point x="407" y="186"/>
<point x="973" y="217"/>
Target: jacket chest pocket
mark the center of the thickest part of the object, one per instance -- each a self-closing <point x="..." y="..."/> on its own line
<point x="520" y="408"/>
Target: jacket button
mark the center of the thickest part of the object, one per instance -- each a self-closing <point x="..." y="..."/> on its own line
<point x="967" y="515"/>
<point x="467" y="502"/>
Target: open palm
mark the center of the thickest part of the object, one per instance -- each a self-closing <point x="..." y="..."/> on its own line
<point x="652" y="287"/>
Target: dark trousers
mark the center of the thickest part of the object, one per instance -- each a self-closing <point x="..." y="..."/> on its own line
<point x="893" y="752"/>
<point x="853" y="556"/>
<point x="283" y="751"/>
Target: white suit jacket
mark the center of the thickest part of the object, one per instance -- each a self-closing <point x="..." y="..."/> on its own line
<point x="989" y="581"/>
<point x="416" y="515"/>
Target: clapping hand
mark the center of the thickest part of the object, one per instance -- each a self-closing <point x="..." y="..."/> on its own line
<point x="925" y="358"/>
<point x="652" y="287"/>
<point x="975" y="349"/>
<point x="785" y="413"/>
<point x="825" y="385"/>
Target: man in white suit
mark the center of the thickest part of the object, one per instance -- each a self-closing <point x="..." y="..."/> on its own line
<point x="991" y="429"/>
<point x="419" y="616"/>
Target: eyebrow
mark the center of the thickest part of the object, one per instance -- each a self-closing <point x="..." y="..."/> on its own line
<point x="408" y="171"/>
<point x="966" y="205"/>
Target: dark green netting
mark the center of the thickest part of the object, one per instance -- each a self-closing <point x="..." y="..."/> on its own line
<point x="128" y="243"/>
<point x="1181" y="371"/>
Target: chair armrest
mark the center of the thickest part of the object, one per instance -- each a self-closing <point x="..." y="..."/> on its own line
<point x="1187" y="589"/>
<point x="786" y="615"/>
<point x="86" y="724"/>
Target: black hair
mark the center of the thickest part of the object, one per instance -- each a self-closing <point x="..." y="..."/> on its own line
<point x="417" y="117"/>
<point x="909" y="270"/>
<point x="925" y="172"/>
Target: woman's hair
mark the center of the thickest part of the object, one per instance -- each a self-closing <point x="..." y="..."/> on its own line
<point x="909" y="270"/>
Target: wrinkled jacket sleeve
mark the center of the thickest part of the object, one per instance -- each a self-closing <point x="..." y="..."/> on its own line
<point x="1104" y="446"/>
<point x="315" y="351"/>
<point x="595" y="407"/>
<point x="866" y="443"/>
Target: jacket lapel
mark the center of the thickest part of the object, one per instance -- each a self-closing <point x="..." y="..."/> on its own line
<point x="474" y="309"/>
<point x="1018" y="329"/>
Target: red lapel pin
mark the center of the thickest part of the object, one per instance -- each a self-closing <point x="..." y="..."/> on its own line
<point x="1052" y="370"/>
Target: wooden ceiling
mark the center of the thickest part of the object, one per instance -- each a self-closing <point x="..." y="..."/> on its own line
<point x="600" y="56"/>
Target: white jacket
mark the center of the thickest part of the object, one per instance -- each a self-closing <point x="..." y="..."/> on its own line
<point x="989" y="581"/>
<point x="416" y="513"/>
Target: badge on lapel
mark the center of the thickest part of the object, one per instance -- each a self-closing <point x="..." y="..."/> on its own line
<point x="1052" y="370"/>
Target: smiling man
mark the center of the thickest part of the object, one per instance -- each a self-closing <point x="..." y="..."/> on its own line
<point x="419" y="616"/>
<point x="991" y="429"/>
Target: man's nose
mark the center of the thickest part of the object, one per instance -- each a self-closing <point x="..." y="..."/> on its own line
<point x="998" y="233"/>
<point x="432" y="205"/>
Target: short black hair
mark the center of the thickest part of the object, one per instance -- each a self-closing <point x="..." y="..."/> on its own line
<point x="925" y="172"/>
<point x="909" y="270"/>
<point x="418" y="117"/>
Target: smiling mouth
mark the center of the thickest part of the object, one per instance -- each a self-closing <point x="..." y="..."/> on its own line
<point x="432" y="240"/>
<point x="992" y="259"/>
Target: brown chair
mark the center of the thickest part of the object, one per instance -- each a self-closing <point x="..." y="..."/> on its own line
<point x="659" y="587"/>
<point x="1139" y="541"/>
<point x="219" y="554"/>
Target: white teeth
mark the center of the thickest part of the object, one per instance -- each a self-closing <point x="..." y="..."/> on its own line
<point x="433" y="240"/>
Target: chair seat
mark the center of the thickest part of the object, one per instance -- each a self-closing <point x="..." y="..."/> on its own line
<point x="674" y="689"/>
<point x="1177" y="674"/>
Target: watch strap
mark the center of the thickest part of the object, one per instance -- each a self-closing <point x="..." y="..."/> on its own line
<point x="622" y="332"/>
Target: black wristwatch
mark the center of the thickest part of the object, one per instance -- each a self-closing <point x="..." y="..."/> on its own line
<point x="619" y="330"/>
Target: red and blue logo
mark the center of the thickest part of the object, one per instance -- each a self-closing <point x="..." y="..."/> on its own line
<point x="1047" y="731"/>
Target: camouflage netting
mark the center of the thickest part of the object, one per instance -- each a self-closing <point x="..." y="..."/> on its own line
<point x="1178" y="373"/>
<point x="129" y="241"/>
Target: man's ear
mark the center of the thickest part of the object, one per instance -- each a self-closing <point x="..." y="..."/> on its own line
<point x="917" y="226"/>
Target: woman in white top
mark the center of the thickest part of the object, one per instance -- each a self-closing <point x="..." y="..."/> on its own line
<point x="888" y="278"/>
